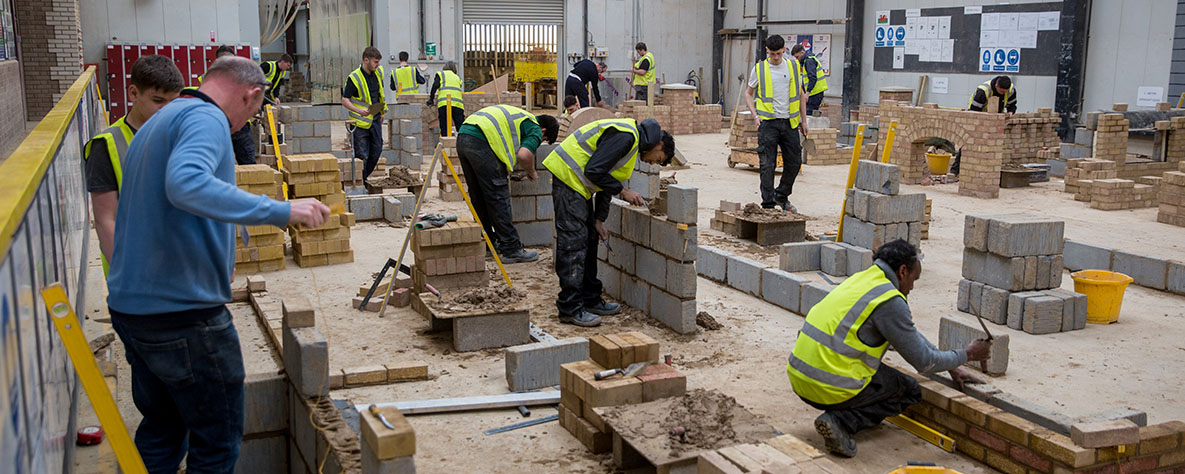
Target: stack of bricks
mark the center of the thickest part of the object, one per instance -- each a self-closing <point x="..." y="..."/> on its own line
<point x="448" y="188"/>
<point x="1172" y="198"/>
<point x="1081" y="173"/>
<point x="317" y="176"/>
<point x="827" y="150"/>
<point x="452" y="256"/>
<point x="269" y="148"/>
<point x="877" y="212"/>
<point x="1012" y="273"/>
<point x="571" y="122"/>
<point x="1110" y="138"/>
<point x="532" y="209"/>
<point x="685" y="116"/>
<point x="638" y="110"/>
<point x="400" y="295"/>
<point x="1029" y="134"/>
<point x="1116" y="194"/>
<point x="743" y="133"/>
<point x="580" y="392"/>
<point x="926" y="220"/>
<point x="264" y="251"/>
<point x="649" y="262"/>
<point x="328" y="244"/>
<point x="895" y="94"/>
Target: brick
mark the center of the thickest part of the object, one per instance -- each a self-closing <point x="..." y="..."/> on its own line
<point x="537" y="365"/>
<point x="374" y="305"/>
<point x="878" y="177"/>
<point x="682" y="203"/>
<point x="962" y="301"/>
<point x="812" y="294"/>
<point x="1146" y="270"/>
<point x="974" y="411"/>
<point x="306" y="360"/>
<point x="484" y="332"/>
<point x="298" y="312"/>
<point x="256" y="283"/>
<point x="265" y="402"/>
<point x="1027" y="457"/>
<point x="387" y="443"/>
<point x="681" y="279"/>
<point x="955" y="334"/>
<point x="1011" y="427"/>
<point x="1099" y="434"/>
<point x="402" y="371"/>
<point x="1161" y="437"/>
<point x="605" y="352"/>
<point x="1060" y="448"/>
<point x="368" y="375"/>
<point x="677" y="314"/>
<point x="1042" y="315"/>
<point x="745" y="274"/>
<point x="635" y="293"/>
<point x="782" y="288"/>
<point x="800" y="256"/>
<point x="833" y="259"/>
<point x="661" y="381"/>
<point x="1019" y="235"/>
<point x="651" y="267"/>
<point x="613" y="391"/>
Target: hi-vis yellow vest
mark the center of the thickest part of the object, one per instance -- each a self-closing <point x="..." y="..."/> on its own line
<point x="406" y="77"/>
<point x="118" y="136"/>
<point x="500" y="124"/>
<point x="820" y="78"/>
<point x="829" y="364"/>
<point x="450" y="86"/>
<point x="988" y="90"/>
<point x="765" y="97"/>
<point x="568" y="160"/>
<point x="274" y="76"/>
<point x="648" y="78"/>
<point x="363" y="99"/>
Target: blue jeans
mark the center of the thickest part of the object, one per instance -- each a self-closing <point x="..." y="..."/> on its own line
<point x="187" y="381"/>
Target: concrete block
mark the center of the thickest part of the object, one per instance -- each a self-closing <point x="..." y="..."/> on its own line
<point x="644" y="184"/>
<point x="635" y="292"/>
<point x="858" y="258"/>
<point x="635" y="225"/>
<point x="961" y="302"/>
<point x="957" y="334"/>
<point x="300" y="129"/>
<point x="878" y="177"/>
<point x="1044" y="264"/>
<point x="405" y="111"/>
<point x="677" y="314"/>
<point x="782" y="288"/>
<point x="676" y="241"/>
<point x="1101" y="434"/>
<point x="868" y="235"/>
<point x="522" y="208"/>
<point x="1042" y="315"/>
<point x="260" y="455"/>
<point x="1056" y="265"/>
<point x="1016" y="307"/>
<point x="322" y="129"/>
<point x="306" y="360"/>
<point x="536" y="233"/>
<point x="411" y="127"/>
<point x="1146" y="270"/>
<point x="994" y="304"/>
<point x="1139" y="417"/>
<point x="392" y="209"/>
<point x="833" y="260"/>
<point x="540" y="186"/>
<point x="316" y="145"/>
<point x="394" y="128"/>
<point x="890" y="209"/>
<point x="314" y="113"/>
<point x="338" y="113"/>
<point x="399" y="465"/>
<point x="682" y="203"/>
<point x="622" y="254"/>
<point x="681" y="279"/>
<point x="265" y="403"/>
<point x="800" y="256"/>
<point x="1175" y="280"/>
<point x="407" y="203"/>
<point x="1022" y="234"/>
<point x="995" y="270"/>
<point x="485" y="332"/>
<point x="651" y="267"/>
<point x="298" y="312"/>
<point x="812" y="294"/>
<point x="745" y="274"/>
<point x="610" y="279"/>
<point x="410" y="143"/>
<point x="1030" y="275"/>
<point x="366" y="207"/>
<point x="1069" y="300"/>
<point x="975" y="298"/>
<point x="975" y="232"/>
<point x="534" y="366"/>
<point x="544" y="208"/>
<point x="712" y="263"/>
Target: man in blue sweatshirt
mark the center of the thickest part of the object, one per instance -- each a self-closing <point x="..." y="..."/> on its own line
<point x="171" y="269"/>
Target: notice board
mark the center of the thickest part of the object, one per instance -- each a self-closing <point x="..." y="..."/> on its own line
<point x="1022" y="39"/>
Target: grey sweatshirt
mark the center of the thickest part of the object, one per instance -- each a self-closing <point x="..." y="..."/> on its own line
<point x="893" y="321"/>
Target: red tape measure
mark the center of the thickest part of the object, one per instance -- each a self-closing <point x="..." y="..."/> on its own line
<point x="89" y="435"/>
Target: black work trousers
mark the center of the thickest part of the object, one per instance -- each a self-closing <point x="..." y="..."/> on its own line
<point x="489" y="191"/>
<point x="888" y="394"/>
<point x="771" y="135"/>
<point x="813" y="103"/>
<point x="458" y="118"/>
<point x="368" y="146"/>
<point x="243" y="142"/>
<point x="576" y="242"/>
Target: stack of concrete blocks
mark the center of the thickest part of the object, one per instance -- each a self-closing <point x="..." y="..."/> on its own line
<point x="1028" y="134"/>
<point x="416" y="110"/>
<point x="649" y="261"/>
<point x="387" y="450"/>
<point x="1172" y="198"/>
<point x="1146" y="270"/>
<point x="877" y="212"/>
<point x="957" y="334"/>
<point x="266" y="437"/>
<point x="309" y="126"/>
<point x="537" y="365"/>
<point x="580" y="392"/>
<point x="1081" y="147"/>
<point x="405" y="136"/>
<point x="264" y="250"/>
<point x="449" y="257"/>
<point x="1012" y="273"/>
<point x="532" y="209"/>
<point x="847" y="133"/>
<point x="449" y="189"/>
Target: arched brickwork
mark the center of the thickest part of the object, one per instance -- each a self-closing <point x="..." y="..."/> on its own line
<point x="980" y="135"/>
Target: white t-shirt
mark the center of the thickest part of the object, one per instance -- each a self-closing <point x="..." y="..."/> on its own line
<point x="781" y="87"/>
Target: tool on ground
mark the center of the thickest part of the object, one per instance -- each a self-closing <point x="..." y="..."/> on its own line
<point x="66" y="323"/>
<point x="523" y="424"/>
<point x="374" y="410"/>
<point x="89" y="435"/>
<point x="432" y="221"/>
<point x="922" y="431"/>
<point x="524" y="411"/>
<point x="404" y="269"/>
<point x="679" y="431"/>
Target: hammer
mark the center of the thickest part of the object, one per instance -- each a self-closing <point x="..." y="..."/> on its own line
<point x="983" y="363"/>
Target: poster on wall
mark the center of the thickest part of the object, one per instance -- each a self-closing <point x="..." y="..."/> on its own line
<point x="817" y="45"/>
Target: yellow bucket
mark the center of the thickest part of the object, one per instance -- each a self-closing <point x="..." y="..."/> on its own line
<point x="939" y="163"/>
<point x="1104" y="293"/>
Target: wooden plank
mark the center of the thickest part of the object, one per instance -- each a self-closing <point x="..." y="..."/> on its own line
<point x="485" y="402"/>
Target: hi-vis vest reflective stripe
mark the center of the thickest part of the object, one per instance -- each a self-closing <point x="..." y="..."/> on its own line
<point x="829" y="364"/>
<point x="406" y="77"/>
<point x="820" y="78"/>
<point x="274" y="77"/>
<point x="450" y="86"/>
<point x="118" y="136"/>
<point x="648" y="78"/>
<point x="988" y="90"/>
<point x="568" y="160"/>
<point x="363" y="98"/>
<point x="765" y="96"/>
<point x="500" y="124"/>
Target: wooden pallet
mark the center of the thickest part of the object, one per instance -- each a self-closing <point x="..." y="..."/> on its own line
<point x="748" y="157"/>
<point x="764" y="233"/>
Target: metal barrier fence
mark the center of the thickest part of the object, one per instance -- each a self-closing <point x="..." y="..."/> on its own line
<point x="44" y="227"/>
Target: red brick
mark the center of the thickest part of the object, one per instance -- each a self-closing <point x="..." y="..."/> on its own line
<point x="1136" y="465"/>
<point x="661" y="381"/>
<point x="1105" y="433"/>
<point x="989" y="440"/>
<point x="1029" y="458"/>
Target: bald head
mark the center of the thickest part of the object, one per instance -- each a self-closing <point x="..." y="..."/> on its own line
<point x="237" y="69"/>
<point x="237" y="85"/>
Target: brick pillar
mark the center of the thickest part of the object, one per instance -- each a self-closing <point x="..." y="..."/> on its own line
<point x="51" y="51"/>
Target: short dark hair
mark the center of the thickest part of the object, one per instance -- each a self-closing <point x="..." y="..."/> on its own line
<point x="224" y="49"/>
<point x="550" y="126"/>
<point x="570" y="101"/>
<point x="641" y="46"/>
<point x="797" y="49"/>
<point x="156" y="72"/>
<point x="775" y="42"/>
<point x="1004" y="81"/>
<point x="403" y="55"/>
<point x="371" y="52"/>
<point x="898" y="253"/>
<point x="668" y="147"/>
<point x="286" y="58"/>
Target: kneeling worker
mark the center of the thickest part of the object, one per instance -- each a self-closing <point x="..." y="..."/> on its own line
<point x="590" y="166"/>
<point x="491" y="143"/>
<point x="836" y="363"/>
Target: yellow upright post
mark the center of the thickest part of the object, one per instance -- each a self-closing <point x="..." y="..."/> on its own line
<point x="851" y="179"/>
<point x="888" y="144"/>
<point x="271" y="123"/>
<point x="1181" y="101"/>
<point x="107" y="118"/>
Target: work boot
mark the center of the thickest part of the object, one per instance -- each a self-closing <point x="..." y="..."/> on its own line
<point x="838" y="441"/>
<point x="784" y="204"/>
<point x="585" y="319"/>
<point x="523" y="255"/>
<point x="604" y="308"/>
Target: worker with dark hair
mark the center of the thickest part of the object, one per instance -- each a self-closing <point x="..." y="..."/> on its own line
<point x="777" y="86"/>
<point x="999" y="86"/>
<point x="585" y="74"/>
<point x="241" y="140"/>
<point x="407" y="76"/>
<point x="276" y="73"/>
<point x="492" y="143"/>
<point x="571" y="105"/>
<point x="364" y="96"/>
<point x="811" y="71"/>
<point x="589" y="168"/>
<point x="447" y="85"/>
<point x="155" y="82"/>
<point x="836" y="363"/>
<point x="643" y="71"/>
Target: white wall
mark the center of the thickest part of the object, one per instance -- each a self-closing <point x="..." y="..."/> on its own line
<point x="1130" y="45"/>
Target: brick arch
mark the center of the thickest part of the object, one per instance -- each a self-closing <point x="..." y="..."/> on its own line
<point x="980" y="135"/>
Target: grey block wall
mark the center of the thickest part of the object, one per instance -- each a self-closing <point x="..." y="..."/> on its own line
<point x="782" y="288"/>
<point x="534" y="366"/>
<point x="712" y="263"/>
<point x="745" y="274"/>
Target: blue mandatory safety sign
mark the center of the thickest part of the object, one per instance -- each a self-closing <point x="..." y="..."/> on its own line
<point x="998" y="58"/>
<point x="1013" y="61"/>
<point x="900" y="36"/>
<point x="880" y="36"/>
<point x="985" y="60"/>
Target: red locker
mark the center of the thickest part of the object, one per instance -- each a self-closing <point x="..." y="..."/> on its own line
<point x="115" y="81"/>
<point x="197" y="65"/>
<point x="181" y="59"/>
<point x="131" y="53"/>
<point x="211" y="55"/>
<point x="244" y="51"/>
<point x="147" y="49"/>
<point x="166" y="51"/>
